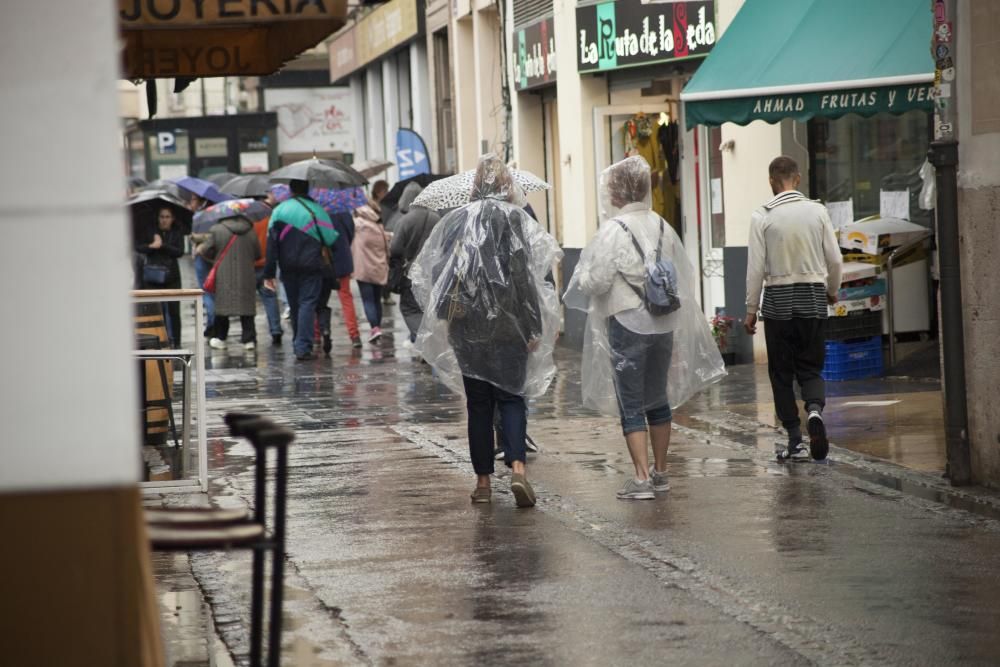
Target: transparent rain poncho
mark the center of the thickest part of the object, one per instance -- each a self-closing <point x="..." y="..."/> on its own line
<point x="632" y="352"/>
<point x="489" y="313"/>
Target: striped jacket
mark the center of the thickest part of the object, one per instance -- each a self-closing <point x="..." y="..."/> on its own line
<point x="794" y="251"/>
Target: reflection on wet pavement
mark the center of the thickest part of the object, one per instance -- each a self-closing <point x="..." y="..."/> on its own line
<point x="744" y="561"/>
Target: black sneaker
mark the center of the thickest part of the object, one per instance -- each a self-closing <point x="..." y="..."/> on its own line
<point x="356" y="342"/>
<point x="819" y="446"/>
<point x="305" y="356"/>
<point x="275" y="339"/>
<point x="327" y="344"/>
<point x="793" y="452"/>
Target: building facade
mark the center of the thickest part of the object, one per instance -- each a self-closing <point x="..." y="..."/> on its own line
<point x="382" y="57"/>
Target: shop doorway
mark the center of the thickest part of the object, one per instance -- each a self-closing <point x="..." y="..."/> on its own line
<point x="651" y="131"/>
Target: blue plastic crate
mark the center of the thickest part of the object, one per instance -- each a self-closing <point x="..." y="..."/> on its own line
<point x="853" y="361"/>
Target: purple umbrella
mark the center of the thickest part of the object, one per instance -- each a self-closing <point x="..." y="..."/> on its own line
<point x="202" y="188"/>
<point x="333" y="201"/>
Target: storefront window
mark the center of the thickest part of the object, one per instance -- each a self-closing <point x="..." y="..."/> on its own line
<point x="858" y="160"/>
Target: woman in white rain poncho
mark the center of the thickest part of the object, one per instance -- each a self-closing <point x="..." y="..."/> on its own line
<point x="489" y="316"/>
<point x="636" y="364"/>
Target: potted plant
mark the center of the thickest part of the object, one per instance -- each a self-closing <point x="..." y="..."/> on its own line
<point x="721" y="324"/>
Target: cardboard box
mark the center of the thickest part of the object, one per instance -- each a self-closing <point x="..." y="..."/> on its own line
<point x="842" y="308"/>
<point x="859" y="271"/>
<point x="872" y="235"/>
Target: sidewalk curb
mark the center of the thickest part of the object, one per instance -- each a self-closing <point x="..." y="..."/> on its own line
<point x="982" y="502"/>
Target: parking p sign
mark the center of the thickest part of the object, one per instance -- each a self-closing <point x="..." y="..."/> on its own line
<point x="166" y="143"/>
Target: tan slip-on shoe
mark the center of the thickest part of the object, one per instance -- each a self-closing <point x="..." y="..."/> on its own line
<point x="481" y="494"/>
<point x="524" y="495"/>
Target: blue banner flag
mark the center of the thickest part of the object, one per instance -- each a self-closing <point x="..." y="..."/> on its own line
<point x="411" y="154"/>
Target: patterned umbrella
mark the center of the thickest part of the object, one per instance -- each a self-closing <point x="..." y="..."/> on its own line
<point x="333" y="201"/>
<point x="456" y="190"/>
<point x="251" y="209"/>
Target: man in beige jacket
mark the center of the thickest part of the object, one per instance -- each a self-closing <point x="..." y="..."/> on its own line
<point x="794" y="251"/>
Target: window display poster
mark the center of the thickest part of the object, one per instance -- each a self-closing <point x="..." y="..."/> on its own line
<point x="716" y="187"/>
<point x="841" y="212"/>
<point x="894" y="204"/>
<point x="312" y="119"/>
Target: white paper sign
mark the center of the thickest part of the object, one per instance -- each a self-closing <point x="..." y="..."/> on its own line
<point x="841" y="212"/>
<point x="253" y="162"/>
<point x="716" y="187"/>
<point x="173" y="171"/>
<point x="894" y="204"/>
<point x="312" y="119"/>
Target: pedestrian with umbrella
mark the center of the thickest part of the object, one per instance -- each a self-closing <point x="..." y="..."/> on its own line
<point x="370" y="251"/>
<point x="200" y="195"/>
<point x="490" y="317"/>
<point x="160" y="269"/>
<point x="339" y="205"/>
<point x="412" y="231"/>
<point x="232" y="247"/>
<point x="300" y="239"/>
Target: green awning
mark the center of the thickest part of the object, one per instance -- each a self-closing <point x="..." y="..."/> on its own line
<point x="781" y="59"/>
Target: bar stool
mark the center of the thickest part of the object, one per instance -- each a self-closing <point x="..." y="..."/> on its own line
<point x="208" y="529"/>
<point x="146" y="342"/>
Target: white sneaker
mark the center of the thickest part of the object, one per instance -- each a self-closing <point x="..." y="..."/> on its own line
<point x="286" y="314"/>
<point x="249" y="346"/>
<point x="217" y="344"/>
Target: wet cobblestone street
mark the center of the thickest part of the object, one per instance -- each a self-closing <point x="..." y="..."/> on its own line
<point x="744" y="561"/>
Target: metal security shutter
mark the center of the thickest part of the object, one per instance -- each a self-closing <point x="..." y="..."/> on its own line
<point x="527" y="12"/>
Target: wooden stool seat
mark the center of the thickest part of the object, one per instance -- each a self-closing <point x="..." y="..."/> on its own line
<point x="209" y="537"/>
<point x="194" y="516"/>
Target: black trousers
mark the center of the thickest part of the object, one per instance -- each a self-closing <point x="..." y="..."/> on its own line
<point x="246" y="324"/>
<point x="480" y="400"/>
<point x="796" y="350"/>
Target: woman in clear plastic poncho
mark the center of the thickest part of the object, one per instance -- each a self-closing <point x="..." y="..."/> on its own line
<point x="489" y="316"/>
<point x="637" y="365"/>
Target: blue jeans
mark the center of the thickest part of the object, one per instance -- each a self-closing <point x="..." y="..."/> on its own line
<point x="202" y="267"/>
<point x="481" y="398"/>
<point x="270" y="301"/>
<point x="371" y="295"/>
<point x="640" y="364"/>
<point x="303" y="291"/>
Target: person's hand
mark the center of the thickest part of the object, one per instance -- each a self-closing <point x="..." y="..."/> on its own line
<point x="534" y="344"/>
<point x="750" y="323"/>
<point x="831" y="299"/>
<point x="157" y="242"/>
<point x="269" y="284"/>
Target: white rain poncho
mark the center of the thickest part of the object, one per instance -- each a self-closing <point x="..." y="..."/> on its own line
<point x="605" y="284"/>
<point x="489" y="313"/>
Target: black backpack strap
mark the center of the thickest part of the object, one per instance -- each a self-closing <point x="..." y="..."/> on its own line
<point x="659" y="243"/>
<point x="642" y="257"/>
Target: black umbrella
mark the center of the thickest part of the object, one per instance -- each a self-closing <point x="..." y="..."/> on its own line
<point x="145" y="206"/>
<point x="251" y="185"/>
<point x="318" y="174"/>
<point x="163" y="185"/>
<point x="391" y="198"/>
<point x="134" y="183"/>
<point x="360" y="179"/>
<point x="221" y="178"/>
